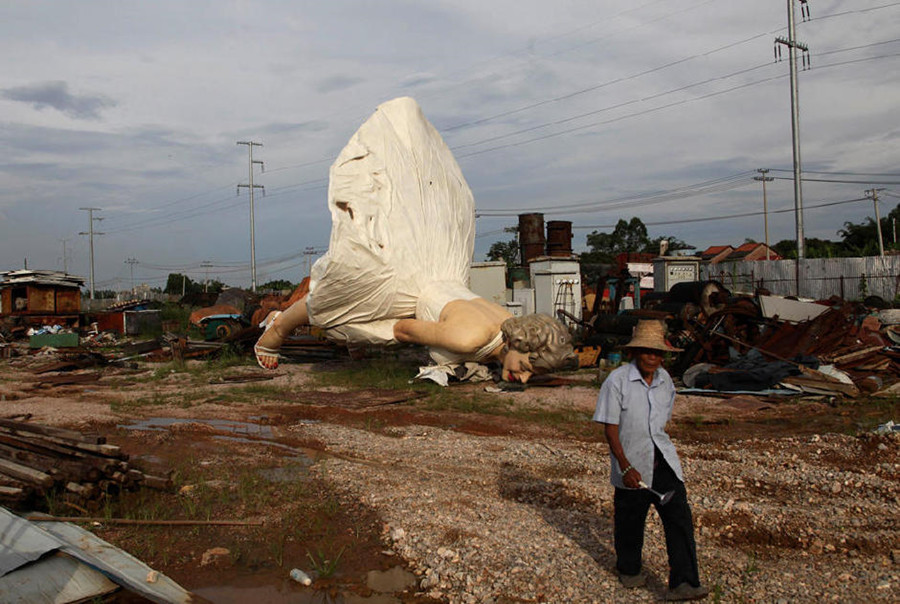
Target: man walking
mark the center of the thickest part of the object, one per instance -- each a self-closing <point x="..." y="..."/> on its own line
<point x="634" y="405"/>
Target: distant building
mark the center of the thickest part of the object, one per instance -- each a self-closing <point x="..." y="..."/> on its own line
<point x="748" y="251"/>
<point x="715" y="254"/>
<point x="752" y="251"/>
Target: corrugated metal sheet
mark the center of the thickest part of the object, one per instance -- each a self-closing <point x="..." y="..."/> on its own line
<point x="55" y="579"/>
<point x="121" y="567"/>
<point x="24" y="542"/>
<point x="21" y="542"/>
<point x="819" y="278"/>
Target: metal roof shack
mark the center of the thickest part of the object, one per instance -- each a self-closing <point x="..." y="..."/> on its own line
<point x="40" y="297"/>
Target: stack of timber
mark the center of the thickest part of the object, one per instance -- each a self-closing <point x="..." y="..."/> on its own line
<point x="38" y="461"/>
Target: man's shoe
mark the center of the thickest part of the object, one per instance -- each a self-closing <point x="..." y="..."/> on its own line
<point x="686" y="591"/>
<point x="632" y="581"/>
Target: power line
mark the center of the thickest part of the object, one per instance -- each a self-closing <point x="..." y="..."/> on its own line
<point x="879" y="174"/>
<point x="711" y="186"/>
<point x="729" y="216"/>
<point x="659" y="108"/>
<point x="856" y="182"/>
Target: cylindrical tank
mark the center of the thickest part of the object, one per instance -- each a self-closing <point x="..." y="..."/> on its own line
<point x="531" y="236"/>
<point x="559" y="238"/>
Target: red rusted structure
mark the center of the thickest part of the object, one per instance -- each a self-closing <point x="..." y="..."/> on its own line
<point x="40" y="297"/>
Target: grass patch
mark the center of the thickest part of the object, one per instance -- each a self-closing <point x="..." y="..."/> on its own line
<point x="323" y="564"/>
<point x="375" y="373"/>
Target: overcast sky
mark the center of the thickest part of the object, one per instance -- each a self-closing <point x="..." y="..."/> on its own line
<point x="585" y="110"/>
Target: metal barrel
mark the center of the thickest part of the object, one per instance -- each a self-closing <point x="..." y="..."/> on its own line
<point x="559" y="238"/>
<point x="531" y="236"/>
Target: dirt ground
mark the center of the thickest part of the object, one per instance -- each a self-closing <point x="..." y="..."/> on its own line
<point x="317" y="467"/>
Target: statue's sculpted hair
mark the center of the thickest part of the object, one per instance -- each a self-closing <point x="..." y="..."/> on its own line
<point x="545" y="340"/>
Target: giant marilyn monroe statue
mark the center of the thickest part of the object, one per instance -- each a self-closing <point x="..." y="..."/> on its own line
<point x="403" y="230"/>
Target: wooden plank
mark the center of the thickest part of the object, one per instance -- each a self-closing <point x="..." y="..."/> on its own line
<point x="852" y="356"/>
<point x="63" y="433"/>
<point x="71" y="469"/>
<point x="822" y="386"/>
<point x="25" y="474"/>
<point x="11" y="492"/>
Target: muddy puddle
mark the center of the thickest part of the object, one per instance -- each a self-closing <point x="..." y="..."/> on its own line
<point x="160" y="424"/>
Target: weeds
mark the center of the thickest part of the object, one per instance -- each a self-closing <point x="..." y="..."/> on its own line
<point x="376" y="373"/>
<point x="324" y="567"/>
<point x="276" y="548"/>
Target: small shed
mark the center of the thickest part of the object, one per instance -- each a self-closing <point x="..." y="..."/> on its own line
<point x="41" y="297"/>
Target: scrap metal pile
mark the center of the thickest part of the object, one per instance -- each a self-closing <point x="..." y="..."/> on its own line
<point x="832" y="347"/>
<point x="39" y="462"/>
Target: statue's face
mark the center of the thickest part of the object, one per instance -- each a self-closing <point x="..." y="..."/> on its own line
<point x="516" y="367"/>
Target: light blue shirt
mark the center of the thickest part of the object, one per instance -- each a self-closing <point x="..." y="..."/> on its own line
<point x="641" y="412"/>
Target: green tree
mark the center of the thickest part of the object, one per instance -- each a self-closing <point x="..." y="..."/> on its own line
<point x="628" y="236"/>
<point x="215" y="286"/>
<point x="508" y="251"/>
<point x="176" y="283"/>
<point x="815" y="248"/>
<point x="675" y="245"/>
<point x="277" y="284"/>
<point x="861" y="239"/>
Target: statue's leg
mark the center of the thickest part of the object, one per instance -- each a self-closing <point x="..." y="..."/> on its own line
<point x="279" y="326"/>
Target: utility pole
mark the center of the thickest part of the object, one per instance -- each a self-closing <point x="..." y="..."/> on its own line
<point x="309" y="253"/>
<point x="873" y="193"/>
<point x="65" y="256"/>
<point x="792" y="44"/>
<point x="764" y="180"/>
<point x="251" y="186"/>
<point x="91" y="232"/>
<point x="131" y="262"/>
<point x="206" y="264"/>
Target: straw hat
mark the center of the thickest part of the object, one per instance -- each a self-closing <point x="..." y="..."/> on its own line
<point x="652" y="335"/>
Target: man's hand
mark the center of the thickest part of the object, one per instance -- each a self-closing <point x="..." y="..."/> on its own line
<point x="632" y="479"/>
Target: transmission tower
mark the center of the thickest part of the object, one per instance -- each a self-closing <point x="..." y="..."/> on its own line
<point x="65" y="256"/>
<point x="873" y="194"/>
<point x="131" y="262"/>
<point x="252" y="187"/>
<point x="91" y="232"/>
<point x="765" y="179"/>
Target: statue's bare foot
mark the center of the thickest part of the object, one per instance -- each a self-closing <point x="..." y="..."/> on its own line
<point x="269" y="343"/>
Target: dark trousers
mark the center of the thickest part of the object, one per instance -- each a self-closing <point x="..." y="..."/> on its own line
<point x="631" y="508"/>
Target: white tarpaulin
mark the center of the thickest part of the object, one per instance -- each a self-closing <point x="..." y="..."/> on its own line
<point x="403" y="229"/>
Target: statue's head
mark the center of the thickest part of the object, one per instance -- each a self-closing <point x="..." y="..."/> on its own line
<point x="546" y="341"/>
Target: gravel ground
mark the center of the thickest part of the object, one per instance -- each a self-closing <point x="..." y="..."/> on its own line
<point x="502" y="519"/>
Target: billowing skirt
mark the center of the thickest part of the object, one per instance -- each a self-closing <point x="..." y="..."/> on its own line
<point x="403" y="229"/>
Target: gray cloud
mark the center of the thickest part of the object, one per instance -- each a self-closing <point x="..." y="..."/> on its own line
<point x="335" y="83"/>
<point x="56" y="95"/>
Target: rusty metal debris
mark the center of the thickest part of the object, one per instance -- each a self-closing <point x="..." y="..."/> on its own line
<point x="844" y="350"/>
